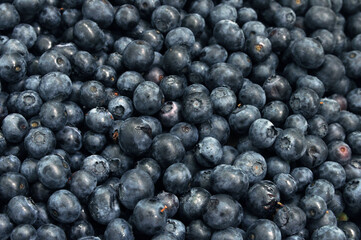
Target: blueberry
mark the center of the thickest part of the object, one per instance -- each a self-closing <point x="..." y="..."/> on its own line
<point x="106" y="75"/>
<point x="88" y="35"/>
<point x="313" y="83"/>
<point x="222" y="11"/>
<point x="231" y="180"/>
<point x="98" y="166"/>
<point x="137" y="182"/>
<point x="173" y="86"/>
<point x="334" y="169"/>
<point x="83" y="64"/>
<point x="9" y="16"/>
<point x="119" y="227"/>
<point x="14" y="128"/>
<point x="92" y="94"/>
<point x="228" y="233"/>
<point x="276" y="165"/>
<point x="246" y="14"/>
<point x="340" y="152"/>
<point x="349" y="121"/>
<point x="277" y="88"/>
<point x="224" y="100"/>
<point x="229" y="34"/>
<point x="327" y="232"/>
<point x="148" y="217"/>
<point x="222" y="211"/>
<point x="208" y="152"/>
<point x="351" y="60"/>
<point x="32" y="83"/>
<point x="331" y="71"/>
<point x="188" y="134"/>
<point x="50" y="232"/>
<point x="53" y="61"/>
<point x="165" y="18"/>
<point x="103" y="205"/>
<point x="290" y="220"/>
<point x="263" y="229"/>
<point x="101" y="12"/>
<point x="167" y="149"/>
<point x="28" y="213"/>
<point x="350" y="229"/>
<point x="326" y="38"/>
<point x="276" y="112"/>
<point x="154" y="37"/>
<point x="303" y="176"/>
<point x="314" y="20"/>
<point x="81" y="228"/>
<point x="252" y="94"/>
<point x="94" y="142"/>
<point x="128" y="82"/>
<point x="138" y="62"/>
<point x="194" y="22"/>
<point x="179" y="36"/>
<point x="310" y="59"/>
<point x="53" y="115"/>
<point x="203" y="179"/>
<point x="82" y="184"/>
<point x="322" y="188"/>
<point x="148" y="98"/>
<point x="305" y="101"/>
<point x="262" y="198"/>
<point x="197" y="108"/>
<point x="12" y="67"/>
<point x="254" y="28"/>
<point x="335" y="133"/>
<point x="193" y="203"/>
<point x="262" y="133"/>
<point x="131" y="131"/>
<point x="242" y="117"/>
<point x="316" y="152"/>
<point x="24" y="231"/>
<point x="175" y="228"/>
<point x="39" y="142"/>
<point x="28" y="169"/>
<point x="6" y="226"/>
<point x="197" y="229"/>
<point x="53" y="171"/>
<point x="213" y="54"/>
<point x="176" y="60"/>
<point x="28" y="103"/>
<point x="171" y="201"/>
<point x="64" y="214"/>
<point x="286" y="184"/>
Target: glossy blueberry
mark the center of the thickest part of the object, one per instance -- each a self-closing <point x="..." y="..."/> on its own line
<point x="128" y="82"/>
<point x="98" y="166"/>
<point x="83" y="64"/>
<point x="331" y="71"/>
<point x="64" y="214"/>
<point x="224" y="74"/>
<point x="39" y="142"/>
<point x="137" y="182"/>
<point x="12" y="67"/>
<point x="313" y="83"/>
<point x="335" y="133"/>
<point x="188" y="134"/>
<point x="179" y="36"/>
<point x="351" y="60"/>
<point x="263" y="229"/>
<point x="53" y="171"/>
<point x="28" y="213"/>
<point x="230" y="180"/>
<point x="53" y="115"/>
<point x="314" y="20"/>
<point x="50" y="232"/>
<point x="252" y="164"/>
<point x="120" y="107"/>
<point x="252" y="94"/>
<point x="262" y="133"/>
<point x="138" y="62"/>
<point x="246" y="14"/>
<point x="92" y="94"/>
<point x="88" y="35"/>
<point x="310" y="59"/>
<point x="14" y="127"/>
<point x="24" y="231"/>
<point x="208" y="152"/>
<point x="28" y="169"/>
<point x="194" y="22"/>
<point x="193" y="203"/>
<point x="316" y="152"/>
<point x="340" y="152"/>
<point x="228" y="34"/>
<point x="305" y="101"/>
<point x="81" y="228"/>
<point x="327" y="232"/>
<point x="296" y="220"/>
<point x="154" y="125"/>
<point x="13" y="184"/>
<point x="213" y="54"/>
<point x="214" y="215"/>
<point x="101" y="12"/>
<point x="170" y="113"/>
<point x="285" y="17"/>
<point x="165" y="18"/>
<point x="333" y="172"/>
<point x="242" y="117"/>
<point x="222" y="11"/>
<point x="154" y="37"/>
<point x="54" y="61"/>
<point x="262" y="198"/>
<point x="49" y="17"/>
<point x="197" y="229"/>
<point x="176" y="60"/>
<point x="350" y="229"/>
<point x="106" y="75"/>
<point x="296" y="121"/>
<point x="82" y="184"/>
<point x="55" y="86"/>
<point x="349" y="121"/>
<point x="148" y="98"/>
<point x="322" y="188"/>
<point x="197" y="108"/>
<point x="173" y="86"/>
<point x="254" y="28"/>
<point x="258" y="48"/>
<point x="25" y="33"/>
<point x="130" y="132"/>
<point x="103" y="205"/>
<point x="167" y="149"/>
<point x="277" y="88"/>
<point x="119" y="227"/>
<point x="224" y="100"/>
<point x="276" y="112"/>
<point x="176" y="178"/>
<point x="276" y="165"/>
<point x="9" y="163"/>
<point x="94" y="142"/>
<point x="151" y="167"/>
<point x="303" y="176"/>
<point x="147" y="216"/>
<point x="353" y="168"/>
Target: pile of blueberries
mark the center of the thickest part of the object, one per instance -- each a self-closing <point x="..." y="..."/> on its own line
<point x="180" y="119"/>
